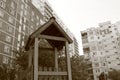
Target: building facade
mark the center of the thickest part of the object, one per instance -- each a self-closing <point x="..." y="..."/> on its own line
<point x="101" y="47"/>
<point x="18" y="19"/>
<point x="44" y="7"/>
<point x="76" y="48"/>
<point x="86" y="51"/>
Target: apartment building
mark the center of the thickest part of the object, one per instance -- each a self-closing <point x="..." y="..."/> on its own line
<point x="18" y="19"/>
<point x="44" y="7"/>
<point x="76" y="48"/>
<point x="101" y="47"/>
<point x="86" y="51"/>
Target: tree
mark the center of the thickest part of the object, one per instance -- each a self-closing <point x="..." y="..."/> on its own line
<point x="3" y="72"/>
<point x="79" y="68"/>
<point x="45" y="57"/>
<point x="114" y="74"/>
<point x="21" y="59"/>
<point x="103" y="76"/>
<point x="21" y="64"/>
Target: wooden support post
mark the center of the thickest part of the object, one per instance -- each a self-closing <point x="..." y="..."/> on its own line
<point x="56" y="59"/>
<point x="30" y="62"/>
<point x="68" y="61"/>
<point x="36" y="59"/>
<point x="30" y="57"/>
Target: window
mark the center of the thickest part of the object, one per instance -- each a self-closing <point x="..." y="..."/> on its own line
<point x="12" y="11"/>
<point x="117" y="58"/>
<point x="32" y="19"/>
<point x="4" y="0"/>
<point x="25" y="12"/>
<point x="111" y="36"/>
<point x="5" y="60"/>
<point x="33" y="13"/>
<point x="13" y="5"/>
<point x="99" y="42"/>
<point x="24" y="27"/>
<point x="6" y="49"/>
<point x="98" y="37"/>
<point x="18" y="45"/>
<point x="10" y="20"/>
<point x="104" y="64"/>
<point x="114" y="46"/>
<point x="23" y="37"/>
<point x="93" y="48"/>
<point x="106" y="51"/>
<point x="118" y="64"/>
<point x="20" y="28"/>
<point x="109" y="26"/>
<point x="115" y="28"/>
<point x="10" y="29"/>
<point x="109" y="62"/>
<point x="113" y="41"/>
<point x="2" y="4"/>
<point x="41" y="22"/>
<point x="37" y="23"/>
<point x="103" y="36"/>
<point x="37" y="17"/>
<point x="22" y="43"/>
<point x="8" y="38"/>
<point x="92" y="37"/>
<point x="108" y="56"/>
<point x="98" y="70"/>
<point x="25" y="20"/>
<point x="90" y="33"/>
<point x="22" y="6"/>
<point x="116" y="52"/>
<point x="94" y="53"/>
<point x="1" y="24"/>
<point x="21" y="13"/>
<point x="26" y="6"/>
<point x="105" y="45"/>
<point x="1" y="13"/>
<point x="118" y="39"/>
<point x="31" y="26"/>
<point x="22" y="0"/>
<point x="19" y="37"/>
<point x="110" y="31"/>
<point x="96" y="64"/>
<point x="26" y="1"/>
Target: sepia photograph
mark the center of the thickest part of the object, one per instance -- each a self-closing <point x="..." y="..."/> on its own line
<point x="59" y="39"/>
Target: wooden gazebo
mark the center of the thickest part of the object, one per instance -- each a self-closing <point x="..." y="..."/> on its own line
<point x="54" y="34"/>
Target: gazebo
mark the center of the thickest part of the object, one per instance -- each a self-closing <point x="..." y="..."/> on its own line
<point x="56" y="42"/>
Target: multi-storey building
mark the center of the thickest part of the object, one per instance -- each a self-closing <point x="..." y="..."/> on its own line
<point x="76" y="48"/>
<point x="73" y="48"/>
<point x="18" y="19"/>
<point x="86" y="51"/>
<point x="44" y="7"/>
<point x="101" y="46"/>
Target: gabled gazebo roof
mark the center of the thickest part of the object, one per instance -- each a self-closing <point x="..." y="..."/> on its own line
<point x="51" y="28"/>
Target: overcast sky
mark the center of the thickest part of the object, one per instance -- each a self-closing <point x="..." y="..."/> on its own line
<point x="79" y="15"/>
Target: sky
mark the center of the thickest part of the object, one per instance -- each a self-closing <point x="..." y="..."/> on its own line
<point x="79" y="15"/>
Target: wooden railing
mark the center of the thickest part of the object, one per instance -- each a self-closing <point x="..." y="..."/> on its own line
<point x="51" y="69"/>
